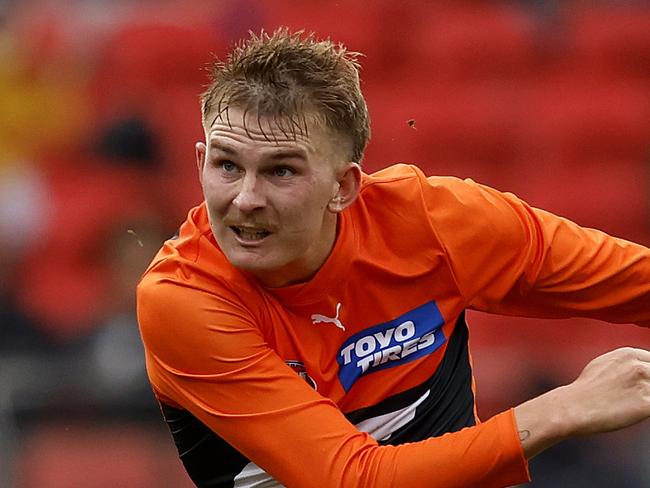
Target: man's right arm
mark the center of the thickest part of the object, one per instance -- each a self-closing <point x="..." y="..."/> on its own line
<point x="206" y="356"/>
<point x="611" y="393"/>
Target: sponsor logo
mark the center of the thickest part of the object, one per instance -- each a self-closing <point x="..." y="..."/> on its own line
<point x="300" y="369"/>
<point x="318" y="318"/>
<point x="406" y="338"/>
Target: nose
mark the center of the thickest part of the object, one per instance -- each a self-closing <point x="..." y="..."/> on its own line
<point x="250" y="195"/>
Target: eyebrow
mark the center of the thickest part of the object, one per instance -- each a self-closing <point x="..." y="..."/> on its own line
<point x="289" y="154"/>
<point x="224" y="149"/>
<point x="280" y="154"/>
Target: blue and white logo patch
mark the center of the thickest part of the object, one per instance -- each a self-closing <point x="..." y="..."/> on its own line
<point x="413" y="335"/>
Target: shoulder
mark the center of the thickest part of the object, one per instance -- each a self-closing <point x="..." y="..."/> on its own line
<point x="192" y="263"/>
<point x="181" y="317"/>
<point x="191" y="299"/>
<point x="407" y="181"/>
<point x="406" y="192"/>
<point x="465" y="207"/>
<point x="445" y="208"/>
<point x="395" y="191"/>
<point x="390" y="216"/>
<point x="392" y="179"/>
<point x="443" y="197"/>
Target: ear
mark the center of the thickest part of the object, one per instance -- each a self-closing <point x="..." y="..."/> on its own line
<point x="349" y="185"/>
<point x="200" y="151"/>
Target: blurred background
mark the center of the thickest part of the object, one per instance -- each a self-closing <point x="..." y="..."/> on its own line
<point x="98" y="116"/>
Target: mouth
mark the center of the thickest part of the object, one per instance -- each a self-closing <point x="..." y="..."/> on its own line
<point x="249" y="234"/>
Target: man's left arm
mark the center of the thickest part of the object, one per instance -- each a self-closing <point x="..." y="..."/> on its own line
<point x="580" y="272"/>
<point x="512" y="259"/>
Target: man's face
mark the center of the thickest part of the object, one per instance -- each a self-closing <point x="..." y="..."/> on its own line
<point x="270" y="196"/>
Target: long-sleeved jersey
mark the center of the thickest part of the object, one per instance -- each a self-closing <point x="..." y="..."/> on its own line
<point x="361" y="376"/>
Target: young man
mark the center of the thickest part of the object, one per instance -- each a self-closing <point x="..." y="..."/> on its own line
<point x="306" y="327"/>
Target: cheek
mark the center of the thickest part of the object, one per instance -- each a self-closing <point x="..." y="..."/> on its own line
<point x="310" y="204"/>
<point x="318" y="194"/>
<point x="215" y="195"/>
<point x="305" y="222"/>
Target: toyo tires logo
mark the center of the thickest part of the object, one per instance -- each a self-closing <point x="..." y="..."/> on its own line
<point x="408" y="337"/>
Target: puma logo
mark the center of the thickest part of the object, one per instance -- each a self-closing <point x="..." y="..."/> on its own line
<point x="318" y="318"/>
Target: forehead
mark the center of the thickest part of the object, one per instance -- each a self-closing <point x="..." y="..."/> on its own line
<point x="235" y="128"/>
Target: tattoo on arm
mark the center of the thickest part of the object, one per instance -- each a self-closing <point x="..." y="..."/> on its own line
<point x="524" y="434"/>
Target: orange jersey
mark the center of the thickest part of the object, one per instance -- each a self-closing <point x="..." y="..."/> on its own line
<point x="352" y="378"/>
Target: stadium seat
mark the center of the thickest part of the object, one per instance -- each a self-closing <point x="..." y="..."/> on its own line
<point x="612" y="39"/>
<point x="177" y="122"/>
<point x="508" y="352"/>
<point x="581" y="116"/>
<point x="473" y="41"/>
<point x="155" y="71"/>
<point x="325" y="19"/>
<point x="63" y="280"/>
<point x="71" y="455"/>
<point x="609" y="194"/>
<point x="450" y="122"/>
<point x="141" y="59"/>
<point x="370" y="28"/>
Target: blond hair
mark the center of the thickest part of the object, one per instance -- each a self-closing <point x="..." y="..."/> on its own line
<point x="287" y="76"/>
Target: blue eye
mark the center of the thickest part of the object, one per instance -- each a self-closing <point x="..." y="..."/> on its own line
<point x="228" y="166"/>
<point x="282" y="171"/>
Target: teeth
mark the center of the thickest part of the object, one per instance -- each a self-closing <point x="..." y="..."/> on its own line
<point x="250" y="234"/>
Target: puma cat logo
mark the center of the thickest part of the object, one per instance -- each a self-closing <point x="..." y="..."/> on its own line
<point x="318" y="318"/>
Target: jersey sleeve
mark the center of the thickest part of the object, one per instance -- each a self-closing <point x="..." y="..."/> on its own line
<point x="512" y="259"/>
<point x="205" y="355"/>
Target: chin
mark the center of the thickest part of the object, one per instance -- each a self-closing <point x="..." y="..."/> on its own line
<point x="270" y="272"/>
<point x="252" y="263"/>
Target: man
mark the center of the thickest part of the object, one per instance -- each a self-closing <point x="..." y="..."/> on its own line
<point x="306" y="327"/>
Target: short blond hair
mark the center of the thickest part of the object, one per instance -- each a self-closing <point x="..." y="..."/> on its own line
<point x="287" y="75"/>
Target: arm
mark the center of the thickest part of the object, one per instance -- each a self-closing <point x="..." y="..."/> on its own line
<point x="612" y="392"/>
<point x="512" y="259"/>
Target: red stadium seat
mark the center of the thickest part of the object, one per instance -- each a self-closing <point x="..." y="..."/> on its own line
<point x="64" y="279"/>
<point x="451" y="122"/>
<point x="612" y="39"/>
<point x="177" y="123"/>
<point x="340" y="21"/>
<point x="508" y="351"/>
<point x="65" y="456"/>
<point x="156" y="71"/>
<point x="141" y="59"/>
<point x="612" y="195"/>
<point x="374" y="29"/>
<point x="578" y="116"/>
<point x="474" y="41"/>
